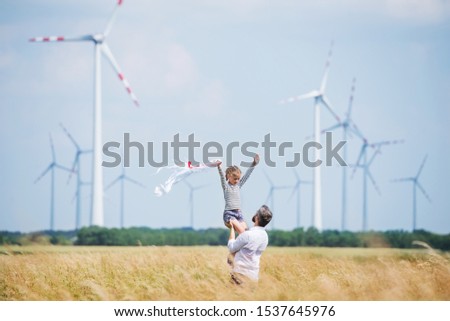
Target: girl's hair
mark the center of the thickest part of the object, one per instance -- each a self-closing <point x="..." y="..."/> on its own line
<point x="232" y="169"/>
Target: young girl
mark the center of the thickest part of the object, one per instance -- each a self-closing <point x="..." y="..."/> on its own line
<point x="231" y="185"/>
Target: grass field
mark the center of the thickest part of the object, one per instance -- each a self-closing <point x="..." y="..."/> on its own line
<point x="201" y="273"/>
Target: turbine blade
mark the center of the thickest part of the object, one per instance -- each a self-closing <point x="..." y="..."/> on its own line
<point x="188" y="184"/>
<point x="311" y="94"/>
<point x="350" y="102"/>
<point x="112" y="183"/>
<point x="354" y="129"/>
<point x="75" y="163"/>
<point x="329" y="129"/>
<point x="361" y="153"/>
<point x="296" y="187"/>
<point x="43" y="173"/>
<point x="61" y="38"/>
<point x="134" y="181"/>
<point x="62" y="167"/>
<point x="112" y="19"/>
<point x="109" y="199"/>
<point x="423" y="192"/>
<point x="70" y="136"/>
<point x="323" y="84"/>
<point x="75" y="195"/>
<point x="387" y="142"/>
<point x="327" y="104"/>
<point x="77" y="155"/>
<point x="421" y="166"/>
<point x="283" y="187"/>
<point x="375" y="153"/>
<point x="373" y="181"/>
<point x="349" y="133"/>
<point x="52" y="147"/>
<point x="353" y="171"/>
<point x="269" y="196"/>
<point x="398" y="180"/>
<point x="107" y="52"/>
<point x="268" y="178"/>
<point x="201" y="186"/>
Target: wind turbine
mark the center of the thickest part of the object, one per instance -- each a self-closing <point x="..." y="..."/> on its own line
<point x="51" y="168"/>
<point x="122" y="178"/>
<point x="192" y="190"/>
<point x="270" y="195"/>
<point x="76" y="166"/>
<point x="100" y="46"/>
<point x="296" y="189"/>
<point x="364" y="163"/>
<point x="348" y="127"/>
<point x="415" y="181"/>
<point x="319" y="99"/>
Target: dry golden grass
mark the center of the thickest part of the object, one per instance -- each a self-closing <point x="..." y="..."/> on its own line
<point x="201" y="273"/>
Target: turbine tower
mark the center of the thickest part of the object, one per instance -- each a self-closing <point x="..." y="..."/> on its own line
<point x="296" y="190"/>
<point x="270" y="195"/>
<point x="192" y="190"/>
<point x="51" y="168"/>
<point x="364" y="163"/>
<point x="122" y="178"/>
<point x="76" y="166"/>
<point x="319" y="99"/>
<point x="100" y="45"/>
<point x="415" y="181"/>
<point x="348" y="127"/>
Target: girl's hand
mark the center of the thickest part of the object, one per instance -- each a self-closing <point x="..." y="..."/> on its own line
<point x="217" y="163"/>
<point x="255" y="160"/>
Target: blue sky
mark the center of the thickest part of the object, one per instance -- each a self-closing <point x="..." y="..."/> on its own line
<point x="217" y="69"/>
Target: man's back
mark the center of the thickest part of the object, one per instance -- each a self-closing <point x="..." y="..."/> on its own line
<point x="248" y="248"/>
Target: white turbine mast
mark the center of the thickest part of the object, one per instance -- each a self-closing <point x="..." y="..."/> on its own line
<point x="319" y="100"/>
<point x="101" y="46"/>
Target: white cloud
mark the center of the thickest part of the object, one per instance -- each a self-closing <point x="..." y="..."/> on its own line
<point x="6" y="58"/>
<point x="237" y="6"/>
<point x="62" y="67"/>
<point x="424" y="10"/>
<point x="182" y="71"/>
<point x="210" y="101"/>
<point x="7" y="55"/>
<point x="414" y="10"/>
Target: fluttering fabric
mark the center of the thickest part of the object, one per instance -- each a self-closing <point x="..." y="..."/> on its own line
<point x="178" y="174"/>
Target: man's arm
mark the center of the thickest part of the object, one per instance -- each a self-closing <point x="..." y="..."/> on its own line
<point x="232" y="233"/>
<point x="234" y="245"/>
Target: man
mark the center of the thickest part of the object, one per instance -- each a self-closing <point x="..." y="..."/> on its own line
<point x="249" y="246"/>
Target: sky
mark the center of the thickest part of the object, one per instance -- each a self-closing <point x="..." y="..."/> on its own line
<point x="217" y="69"/>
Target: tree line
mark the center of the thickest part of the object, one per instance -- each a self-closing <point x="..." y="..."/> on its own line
<point x="136" y="236"/>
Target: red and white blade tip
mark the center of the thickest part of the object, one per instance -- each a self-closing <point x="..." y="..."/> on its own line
<point x="128" y="88"/>
<point x="119" y="2"/>
<point x="47" y="39"/>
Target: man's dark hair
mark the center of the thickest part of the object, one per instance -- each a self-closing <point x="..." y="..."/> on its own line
<point x="264" y="216"/>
